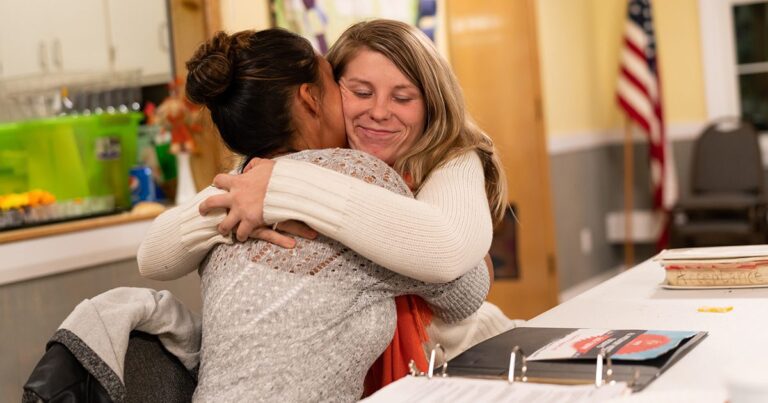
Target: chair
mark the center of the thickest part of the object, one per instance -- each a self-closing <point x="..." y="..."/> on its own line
<point x="98" y="354"/>
<point x="151" y="374"/>
<point x="727" y="202"/>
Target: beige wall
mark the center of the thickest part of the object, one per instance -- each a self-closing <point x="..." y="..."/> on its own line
<point x="238" y="15"/>
<point x="579" y="49"/>
<point x="682" y="70"/>
<point x="579" y="46"/>
<point x="567" y="64"/>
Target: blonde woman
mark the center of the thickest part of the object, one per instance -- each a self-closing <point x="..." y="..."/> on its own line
<point x="451" y="163"/>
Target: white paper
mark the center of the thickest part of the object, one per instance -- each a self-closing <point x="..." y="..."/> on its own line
<point x="460" y="390"/>
<point x="710" y="287"/>
<point x="566" y="346"/>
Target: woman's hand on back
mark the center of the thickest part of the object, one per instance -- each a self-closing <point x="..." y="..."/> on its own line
<point x="244" y="199"/>
<point x="292" y="227"/>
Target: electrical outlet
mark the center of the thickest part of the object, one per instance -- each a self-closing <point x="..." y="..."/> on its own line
<point x="585" y="240"/>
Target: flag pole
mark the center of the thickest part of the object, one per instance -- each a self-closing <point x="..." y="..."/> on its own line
<point x="629" y="174"/>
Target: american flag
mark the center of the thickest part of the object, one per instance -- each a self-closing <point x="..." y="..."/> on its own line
<point x="639" y="95"/>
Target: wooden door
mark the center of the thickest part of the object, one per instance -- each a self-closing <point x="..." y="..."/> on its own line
<point x="493" y="50"/>
<point x="192" y="23"/>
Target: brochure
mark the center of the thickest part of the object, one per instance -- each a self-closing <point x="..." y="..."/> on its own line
<point x="634" y="345"/>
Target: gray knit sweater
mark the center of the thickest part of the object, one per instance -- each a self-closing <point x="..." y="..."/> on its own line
<point x="305" y="324"/>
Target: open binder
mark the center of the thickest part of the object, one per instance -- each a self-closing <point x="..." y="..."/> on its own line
<point x="495" y="357"/>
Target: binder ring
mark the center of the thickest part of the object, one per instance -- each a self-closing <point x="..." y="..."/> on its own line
<point x="432" y="362"/>
<point x="413" y="370"/>
<point x="523" y="365"/>
<point x="599" y="381"/>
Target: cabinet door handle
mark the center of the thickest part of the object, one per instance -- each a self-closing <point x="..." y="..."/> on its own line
<point x="57" y="55"/>
<point x="162" y="36"/>
<point x="42" y="57"/>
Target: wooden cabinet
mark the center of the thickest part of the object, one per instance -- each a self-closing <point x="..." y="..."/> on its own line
<point x="140" y="38"/>
<point x="493" y="51"/>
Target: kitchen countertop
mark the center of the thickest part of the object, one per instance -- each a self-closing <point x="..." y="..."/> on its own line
<point x="74" y="226"/>
<point x="51" y="249"/>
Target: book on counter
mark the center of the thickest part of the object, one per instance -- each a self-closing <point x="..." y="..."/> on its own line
<point x="715" y="267"/>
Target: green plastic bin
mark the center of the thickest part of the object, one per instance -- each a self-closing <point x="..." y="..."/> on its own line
<point x="82" y="156"/>
<point x="13" y="160"/>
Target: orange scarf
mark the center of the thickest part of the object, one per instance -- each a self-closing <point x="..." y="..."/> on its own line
<point x="413" y="316"/>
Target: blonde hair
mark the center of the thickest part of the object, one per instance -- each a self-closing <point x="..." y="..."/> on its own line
<point x="449" y="129"/>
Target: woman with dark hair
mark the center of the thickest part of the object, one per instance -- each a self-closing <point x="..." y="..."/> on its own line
<point x="301" y="324"/>
<point x="270" y="78"/>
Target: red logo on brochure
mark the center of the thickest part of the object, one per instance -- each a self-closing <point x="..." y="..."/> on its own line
<point x="644" y="342"/>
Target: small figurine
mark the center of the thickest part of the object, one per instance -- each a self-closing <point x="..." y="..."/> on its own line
<point x="179" y="117"/>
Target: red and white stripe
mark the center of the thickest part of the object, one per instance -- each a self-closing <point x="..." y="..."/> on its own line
<point x="639" y="95"/>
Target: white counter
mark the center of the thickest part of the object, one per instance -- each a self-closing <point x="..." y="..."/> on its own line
<point x="737" y="344"/>
<point x="43" y="256"/>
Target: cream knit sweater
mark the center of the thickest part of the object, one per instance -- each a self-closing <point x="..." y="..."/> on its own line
<point x="436" y="238"/>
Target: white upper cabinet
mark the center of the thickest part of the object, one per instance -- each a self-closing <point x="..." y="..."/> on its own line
<point x="140" y="37"/>
<point x="1" y="42"/>
<point x="25" y="49"/>
<point x="39" y="37"/>
<point x="52" y="36"/>
<point x="77" y="35"/>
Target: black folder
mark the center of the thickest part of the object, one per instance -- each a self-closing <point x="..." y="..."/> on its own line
<point x="491" y="359"/>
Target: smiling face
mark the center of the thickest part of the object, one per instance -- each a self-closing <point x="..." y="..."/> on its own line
<point x="384" y="112"/>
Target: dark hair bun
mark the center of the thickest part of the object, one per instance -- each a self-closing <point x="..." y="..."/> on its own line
<point x="210" y="69"/>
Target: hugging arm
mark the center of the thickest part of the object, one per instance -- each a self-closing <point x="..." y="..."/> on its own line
<point x="435" y="238"/>
<point x="179" y="238"/>
<point x="452" y="301"/>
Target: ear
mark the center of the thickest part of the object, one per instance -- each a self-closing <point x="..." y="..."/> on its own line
<point x="309" y="99"/>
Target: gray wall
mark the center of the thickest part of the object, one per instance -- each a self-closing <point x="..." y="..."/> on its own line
<point x="31" y="311"/>
<point x="586" y="186"/>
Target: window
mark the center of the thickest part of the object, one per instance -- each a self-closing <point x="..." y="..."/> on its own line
<point x="734" y="36"/>
<point x="750" y="23"/>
